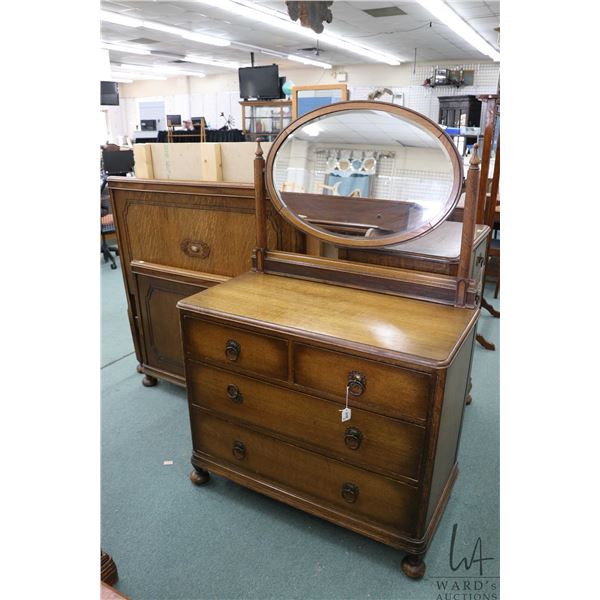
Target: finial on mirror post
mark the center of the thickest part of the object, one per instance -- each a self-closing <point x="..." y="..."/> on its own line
<point x="259" y="150"/>
<point x="474" y="162"/>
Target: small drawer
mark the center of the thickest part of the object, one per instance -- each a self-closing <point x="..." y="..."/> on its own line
<point x="367" y="439"/>
<point x="306" y="474"/>
<point x="379" y="387"/>
<point x="229" y="346"/>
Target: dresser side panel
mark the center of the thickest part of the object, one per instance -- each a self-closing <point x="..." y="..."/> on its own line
<point x="455" y="390"/>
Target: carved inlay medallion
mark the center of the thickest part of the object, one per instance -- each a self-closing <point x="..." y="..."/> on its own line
<point x="195" y="249"/>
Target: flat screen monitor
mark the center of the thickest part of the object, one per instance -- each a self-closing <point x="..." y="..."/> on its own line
<point x="148" y="124"/>
<point x="259" y="82"/>
<point x="196" y="121"/>
<point x="119" y="162"/>
<point x="173" y="120"/>
<point x="109" y="93"/>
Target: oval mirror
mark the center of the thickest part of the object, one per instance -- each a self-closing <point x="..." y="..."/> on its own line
<point x="364" y="174"/>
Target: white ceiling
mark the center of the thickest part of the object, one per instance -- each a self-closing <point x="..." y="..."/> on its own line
<point x="396" y="35"/>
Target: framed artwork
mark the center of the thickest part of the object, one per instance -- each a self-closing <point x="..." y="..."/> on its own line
<point x="308" y="97"/>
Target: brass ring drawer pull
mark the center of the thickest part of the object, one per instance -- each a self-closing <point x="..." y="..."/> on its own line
<point x="234" y="394"/>
<point x="239" y="450"/>
<point x="232" y="350"/>
<point x="350" y="492"/>
<point x="357" y="383"/>
<point x="353" y="438"/>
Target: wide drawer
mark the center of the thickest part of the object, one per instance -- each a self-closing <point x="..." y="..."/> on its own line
<point x="301" y="472"/>
<point x="374" y="385"/>
<point x="367" y="439"/>
<point x="230" y="346"/>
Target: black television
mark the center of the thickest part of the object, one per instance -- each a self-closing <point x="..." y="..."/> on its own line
<point x="173" y="120"/>
<point x="109" y="93"/>
<point x="261" y="83"/>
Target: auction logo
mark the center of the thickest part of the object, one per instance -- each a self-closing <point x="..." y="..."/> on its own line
<point x="471" y="583"/>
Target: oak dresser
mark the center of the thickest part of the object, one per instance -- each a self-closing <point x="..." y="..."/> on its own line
<point x="335" y="386"/>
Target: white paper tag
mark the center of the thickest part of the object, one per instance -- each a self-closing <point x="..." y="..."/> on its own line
<point x="346" y="414"/>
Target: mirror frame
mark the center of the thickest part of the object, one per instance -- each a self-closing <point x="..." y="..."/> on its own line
<point x="352" y="105"/>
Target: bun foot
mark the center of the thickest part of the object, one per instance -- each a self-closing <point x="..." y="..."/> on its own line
<point x="149" y="381"/>
<point x="199" y="476"/>
<point x="413" y="566"/>
<point x="139" y="369"/>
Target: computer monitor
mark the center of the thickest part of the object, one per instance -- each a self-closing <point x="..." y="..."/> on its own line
<point x="118" y="162"/>
<point x="173" y="120"/>
<point x="196" y="121"/>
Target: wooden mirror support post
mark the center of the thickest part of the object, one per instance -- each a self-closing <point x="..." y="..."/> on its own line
<point x="261" y="208"/>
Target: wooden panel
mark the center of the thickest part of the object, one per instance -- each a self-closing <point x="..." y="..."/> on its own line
<point x="160" y="320"/>
<point x="388" y="389"/>
<point x="257" y="353"/>
<point x="142" y="155"/>
<point x="237" y="160"/>
<point x="425" y="332"/>
<point x="158" y="234"/>
<point x="384" y="443"/>
<point x="455" y="391"/>
<point x="380" y="500"/>
<point x="187" y="161"/>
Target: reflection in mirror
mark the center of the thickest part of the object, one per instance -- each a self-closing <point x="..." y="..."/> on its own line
<point x="364" y="173"/>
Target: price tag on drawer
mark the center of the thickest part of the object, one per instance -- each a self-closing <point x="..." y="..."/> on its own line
<point x="346" y="412"/>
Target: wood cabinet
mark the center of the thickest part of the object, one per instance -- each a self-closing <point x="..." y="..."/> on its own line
<point x="460" y="111"/>
<point x="264" y="119"/>
<point x="267" y="380"/>
<point x="177" y="239"/>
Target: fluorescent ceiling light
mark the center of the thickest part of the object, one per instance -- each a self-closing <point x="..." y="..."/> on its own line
<point x="160" y="70"/>
<point x="111" y="17"/>
<point x="134" y="76"/>
<point x="205" y="39"/>
<point x="448" y="17"/>
<point x="308" y="61"/>
<point x="207" y="61"/>
<point x="119" y="80"/>
<point x="119" y="48"/>
<point x="275" y="18"/>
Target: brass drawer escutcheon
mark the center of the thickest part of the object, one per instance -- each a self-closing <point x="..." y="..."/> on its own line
<point x="353" y="438"/>
<point x="357" y="383"/>
<point x="234" y="394"/>
<point x="239" y="450"/>
<point x="350" y="492"/>
<point x="232" y="350"/>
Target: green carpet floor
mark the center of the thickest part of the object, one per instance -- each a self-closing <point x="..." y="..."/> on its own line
<point x="172" y="540"/>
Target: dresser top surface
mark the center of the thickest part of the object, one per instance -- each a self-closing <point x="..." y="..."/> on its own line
<point x="443" y="242"/>
<point x="431" y="332"/>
